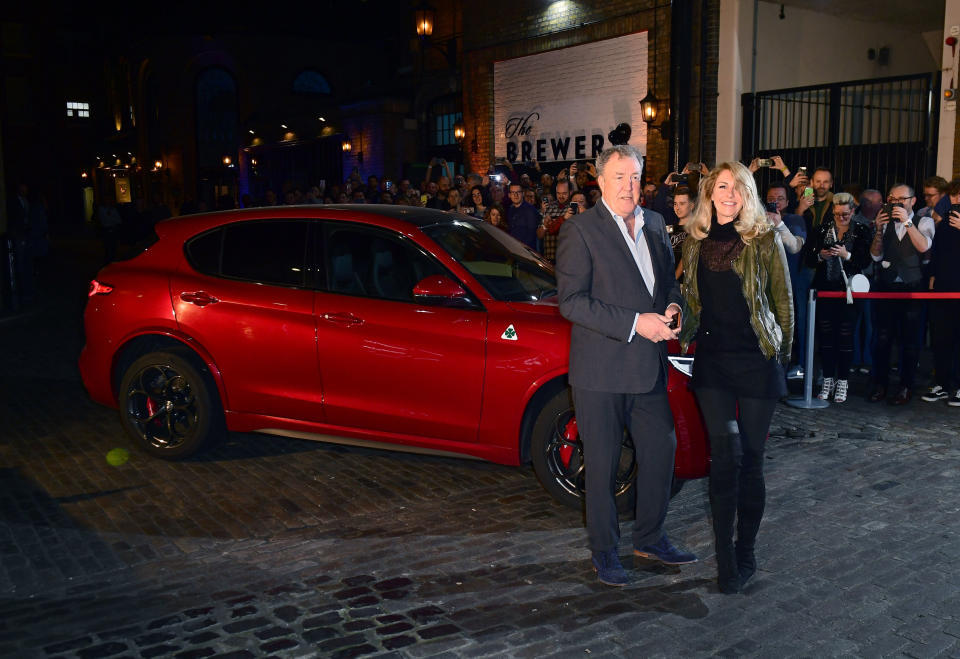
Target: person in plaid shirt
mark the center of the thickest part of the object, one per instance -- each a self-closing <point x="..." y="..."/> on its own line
<point x="555" y="212"/>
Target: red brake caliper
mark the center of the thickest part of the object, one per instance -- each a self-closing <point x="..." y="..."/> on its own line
<point x="151" y="407"/>
<point x="569" y="441"/>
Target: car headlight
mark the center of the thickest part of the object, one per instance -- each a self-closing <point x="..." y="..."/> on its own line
<point x="682" y="364"/>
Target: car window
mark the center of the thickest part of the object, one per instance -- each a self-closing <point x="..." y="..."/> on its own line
<point x="505" y="266"/>
<point x="375" y="263"/>
<point x="266" y="252"/>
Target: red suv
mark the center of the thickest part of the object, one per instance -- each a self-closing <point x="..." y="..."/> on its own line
<point x="384" y="326"/>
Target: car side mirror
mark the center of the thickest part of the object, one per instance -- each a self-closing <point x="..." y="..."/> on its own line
<point x="438" y="287"/>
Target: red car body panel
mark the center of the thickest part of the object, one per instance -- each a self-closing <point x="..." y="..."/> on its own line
<point x="302" y="362"/>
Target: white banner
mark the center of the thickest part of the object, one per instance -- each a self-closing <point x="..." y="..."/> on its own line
<point x="560" y="105"/>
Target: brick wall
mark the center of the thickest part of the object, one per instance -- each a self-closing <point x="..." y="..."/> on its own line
<point x="503" y="31"/>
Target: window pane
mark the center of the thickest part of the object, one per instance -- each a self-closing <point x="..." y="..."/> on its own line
<point x="271" y="252"/>
<point x="376" y="264"/>
<point x="203" y="252"/>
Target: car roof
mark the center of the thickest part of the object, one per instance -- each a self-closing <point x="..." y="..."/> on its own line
<point x="420" y="217"/>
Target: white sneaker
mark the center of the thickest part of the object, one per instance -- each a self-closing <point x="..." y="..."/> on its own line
<point x="826" y="390"/>
<point x="935" y="393"/>
<point x="841" y="393"/>
<point x="954" y="399"/>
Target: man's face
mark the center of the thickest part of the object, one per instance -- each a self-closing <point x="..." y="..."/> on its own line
<point x="682" y="205"/>
<point x="443" y="183"/>
<point x="563" y="193"/>
<point x="649" y="192"/>
<point x="901" y="195"/>
<point x="931" y="196"/>
<point x="432" y="189"/>
<point x="822" y="183"/>
<point x="516" y="195"/>
<point x="372" y="182"/>
<point x="404" y="185"/>
<point x="620" y="184"/>
<point x="777" y="196"/>
<point x="579" y="200"/>
<point x="530" y="196"/>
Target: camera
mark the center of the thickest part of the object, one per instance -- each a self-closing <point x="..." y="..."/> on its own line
<point x="388" y="184"/>
<point x="772" y="207"/>
<point x="955" y="208"/>
<point x="888" y="209"/>
<point x="496" y="177"/>
<point x="682" y="178"/>
<point x="575" y="207"/>
<point x="692" y="167"/>
<point x="765" y="162"/>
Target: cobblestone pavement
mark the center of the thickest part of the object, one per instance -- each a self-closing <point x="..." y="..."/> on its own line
<point x="281" y="547"/>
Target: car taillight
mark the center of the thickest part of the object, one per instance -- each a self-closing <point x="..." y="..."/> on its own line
<point x="99" y="288"/>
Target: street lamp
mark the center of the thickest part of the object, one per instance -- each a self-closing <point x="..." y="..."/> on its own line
<point x="459" y="132"/>
<point x="424" y="16"/>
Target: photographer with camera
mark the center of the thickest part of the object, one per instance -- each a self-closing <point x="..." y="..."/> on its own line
<point x="896" y="249"/>
<point x="838" y="250"/>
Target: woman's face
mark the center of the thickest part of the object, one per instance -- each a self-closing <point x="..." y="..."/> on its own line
<point x="477" y="197"/>
<point x="530" y="196"/>
<point x="495" y="217"/>
<point x="842" y="215"/>
<point x="453" y="197"/>
<point x="726" y="199"/>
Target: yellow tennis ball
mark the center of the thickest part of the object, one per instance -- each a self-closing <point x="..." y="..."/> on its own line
<point x="117" y="456"/>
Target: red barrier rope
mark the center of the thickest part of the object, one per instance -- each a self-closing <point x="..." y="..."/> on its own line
<point x="891" y="296"/>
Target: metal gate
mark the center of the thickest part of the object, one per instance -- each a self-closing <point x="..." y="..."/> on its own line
<point x="868" y="132"/>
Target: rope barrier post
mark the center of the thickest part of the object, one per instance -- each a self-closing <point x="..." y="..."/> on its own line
<point x="808" y="402"/>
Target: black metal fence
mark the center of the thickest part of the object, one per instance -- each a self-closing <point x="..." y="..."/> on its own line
<point x="869" y="132"/>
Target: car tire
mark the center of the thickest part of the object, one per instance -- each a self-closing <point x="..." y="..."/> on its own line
<point x="169" y="406"/>
<point x="557" y="456"/>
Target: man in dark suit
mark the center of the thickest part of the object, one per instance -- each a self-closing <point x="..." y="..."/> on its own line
<point x="616" y="285"/>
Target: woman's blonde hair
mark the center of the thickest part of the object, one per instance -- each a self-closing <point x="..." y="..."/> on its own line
<point x="752" y="220"/>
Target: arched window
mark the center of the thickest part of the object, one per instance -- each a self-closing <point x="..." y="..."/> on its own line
<point x="311" y="82"/>
<point x="216" y="117"/>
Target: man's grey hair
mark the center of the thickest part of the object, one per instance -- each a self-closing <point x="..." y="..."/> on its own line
<point x="622" y="150"/>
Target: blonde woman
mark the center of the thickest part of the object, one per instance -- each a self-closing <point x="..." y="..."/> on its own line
<point x="739" y="309"/>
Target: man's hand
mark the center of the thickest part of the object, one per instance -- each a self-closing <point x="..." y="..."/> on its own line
<point x="900" y="213"/>
<point x="881" y="221"/>
<point x="774" y="218"/>
<point x="673" y="313"/>
<point x="754" y="165"/>
<point x="955" y="219"/>
<point x="805" y="202"/>
<point x="799" y="179"/>
<point x="671" y="178"/>
<point x="653" y="327"/>
<point x="778" y="163"/>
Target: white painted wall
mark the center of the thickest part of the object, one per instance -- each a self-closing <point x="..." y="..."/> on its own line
<point x="810" y="48"/>
<point x="734" y="37"/>
<point x="948" y="111"/>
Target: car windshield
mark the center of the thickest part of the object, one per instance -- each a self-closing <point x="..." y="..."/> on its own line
<point x="506" y="267"/>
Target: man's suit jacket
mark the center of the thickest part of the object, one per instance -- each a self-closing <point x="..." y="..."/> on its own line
<point x="601" y="290"/>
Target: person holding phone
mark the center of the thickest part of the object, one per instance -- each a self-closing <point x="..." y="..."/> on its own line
<point x="739" y="309"/>
<point x="555" y="212"/>
<point x="838" y="250"/>
<point x="945" y="314"/>
<point x="616" y="287"/>
<point x="897" y="247"/>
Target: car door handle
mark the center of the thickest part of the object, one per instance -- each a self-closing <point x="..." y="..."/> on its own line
<point x="342" y="318"/>
<point x="199" y="298"/>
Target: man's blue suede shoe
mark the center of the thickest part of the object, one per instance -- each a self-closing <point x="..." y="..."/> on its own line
<point x="608" y="567"/>
<point x="664" y="551"/>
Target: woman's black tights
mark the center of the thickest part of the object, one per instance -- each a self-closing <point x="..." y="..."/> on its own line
<point x="737" y="427"/>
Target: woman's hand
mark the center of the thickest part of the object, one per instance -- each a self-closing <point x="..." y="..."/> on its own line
<point x="805" y="202"/>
